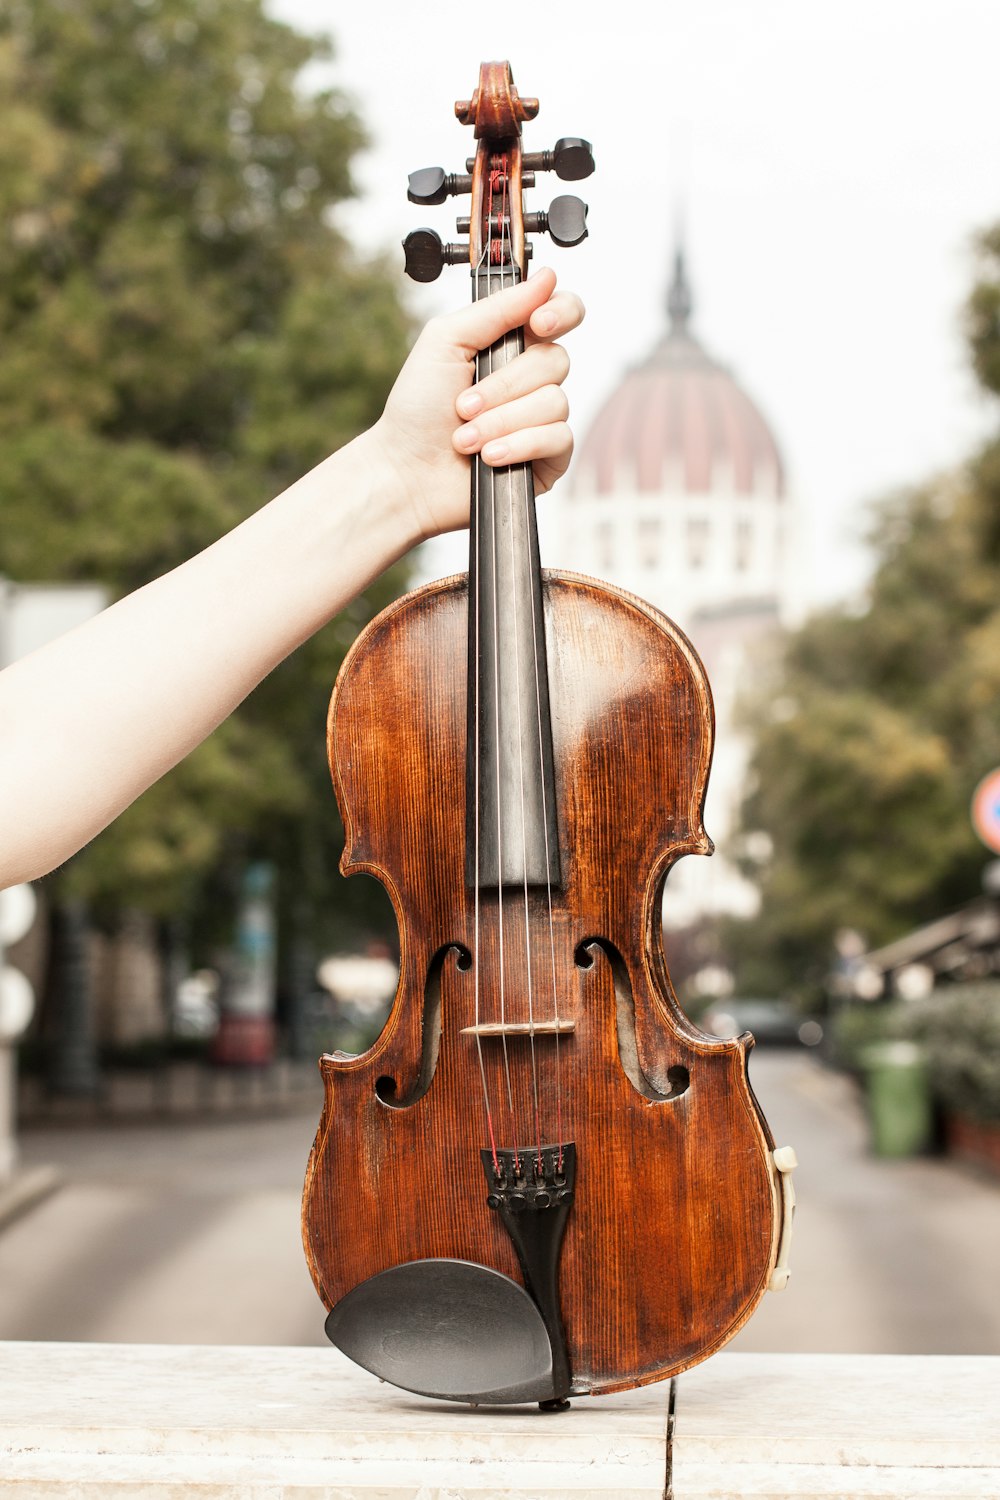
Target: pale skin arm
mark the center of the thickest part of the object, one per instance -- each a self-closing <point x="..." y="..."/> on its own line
<point x="91" y="720"/>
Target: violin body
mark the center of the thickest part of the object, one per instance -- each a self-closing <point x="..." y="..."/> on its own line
<point x="542" y="1180"/>
<point x="672" y="1234"/>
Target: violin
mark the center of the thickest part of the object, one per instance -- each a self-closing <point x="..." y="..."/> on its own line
<point x="542" y="1180"/>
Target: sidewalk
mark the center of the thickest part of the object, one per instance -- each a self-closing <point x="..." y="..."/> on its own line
<point x="193" y="1092"/>
<point x="28" y="1187"/>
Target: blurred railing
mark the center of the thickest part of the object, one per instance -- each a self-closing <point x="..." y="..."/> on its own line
<point x="178" y="1089"/>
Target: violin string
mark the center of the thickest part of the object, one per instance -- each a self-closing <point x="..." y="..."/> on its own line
<point x="544" y="824"/>
<point x="508" y="247"/>
<point x="548" y="858"/>
<point x="496" y="684"/>
<point x="477" y="765"/>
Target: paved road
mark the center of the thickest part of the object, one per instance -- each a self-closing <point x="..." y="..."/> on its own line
<point x="190" y="1234"/>
<point x="180" y="1234"/>
<point x="887" y="1257"/>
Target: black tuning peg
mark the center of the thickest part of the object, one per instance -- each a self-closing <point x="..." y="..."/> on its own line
<point x="570" y="158"/>
<point x="566" y="221"/>
<point x="426" y="255"/>
<point x="573" y="159"/>
<point x="433" y="184"/>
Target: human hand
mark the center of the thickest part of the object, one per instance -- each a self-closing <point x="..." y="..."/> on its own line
<point x="514" y="415"/>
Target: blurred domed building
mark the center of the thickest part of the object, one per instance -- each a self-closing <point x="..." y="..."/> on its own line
<point x="679" y="494"/>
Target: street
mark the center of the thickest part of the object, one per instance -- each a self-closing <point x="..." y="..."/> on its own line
<point x="189" y="1234"/>
<point x="888" y="1257"/>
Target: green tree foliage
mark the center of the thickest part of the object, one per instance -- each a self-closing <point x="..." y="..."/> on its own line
<point x="878" y="725"/>
<point x="184" y="332"/>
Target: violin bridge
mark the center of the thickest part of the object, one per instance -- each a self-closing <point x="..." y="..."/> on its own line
<point x="520" y="1028"/>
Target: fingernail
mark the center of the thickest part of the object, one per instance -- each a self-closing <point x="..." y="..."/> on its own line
<point x="468" y="403"/>
<point x="496" y="452"/>
<point x="544" y="322"/>
<point x="468" y="437"/>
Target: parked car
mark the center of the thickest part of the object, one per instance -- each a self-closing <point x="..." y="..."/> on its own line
<point x="773" y="1022"/>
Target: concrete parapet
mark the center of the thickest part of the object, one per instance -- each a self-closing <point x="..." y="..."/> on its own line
<point x="122" y="1422"/>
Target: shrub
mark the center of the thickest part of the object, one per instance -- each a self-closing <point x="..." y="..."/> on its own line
<point x="857" y="1025"/>
<point x="960" y="1029"/>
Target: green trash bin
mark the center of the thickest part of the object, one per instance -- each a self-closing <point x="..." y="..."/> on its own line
<point x="899" y="1098"/>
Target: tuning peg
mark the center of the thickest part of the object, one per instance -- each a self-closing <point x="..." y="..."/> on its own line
<point x="425" y="254"/>
<point x="566" y="221"/>
<point x="571" y="158"/>
<point x="433" y="184"/>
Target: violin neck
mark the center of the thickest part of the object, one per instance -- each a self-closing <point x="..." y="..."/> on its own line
<point x="511" y="824"/>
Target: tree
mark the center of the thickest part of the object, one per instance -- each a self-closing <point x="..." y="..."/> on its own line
<point x="185" y="331"/>
<point x="877" y="725"/>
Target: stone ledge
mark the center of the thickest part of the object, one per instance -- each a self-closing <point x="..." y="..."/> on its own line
<point x="81" y="1421"/>
<point x="878" y="1427"/>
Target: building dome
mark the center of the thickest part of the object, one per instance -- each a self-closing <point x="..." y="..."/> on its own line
<point x="678" y="494"/>
<point x="680" y="424"/>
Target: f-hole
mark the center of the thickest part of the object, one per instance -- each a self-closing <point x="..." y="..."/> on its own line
<point x="430" y="1033"/>
<point x="678" y="1076"/>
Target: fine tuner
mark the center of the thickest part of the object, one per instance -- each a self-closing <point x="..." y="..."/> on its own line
<point x="571" y="159"/>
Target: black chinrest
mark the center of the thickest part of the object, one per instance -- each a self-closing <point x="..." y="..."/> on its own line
<point x="447" y="1328"/>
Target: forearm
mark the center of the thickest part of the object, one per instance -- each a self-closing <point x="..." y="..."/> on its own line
<point x="93" y="719"/>
<point x="117" y="702"/>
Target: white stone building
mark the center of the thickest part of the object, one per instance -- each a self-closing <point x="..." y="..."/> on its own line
<point x="679" y="494"/>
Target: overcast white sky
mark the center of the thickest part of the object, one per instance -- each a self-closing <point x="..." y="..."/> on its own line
<point x="833" y="161"/>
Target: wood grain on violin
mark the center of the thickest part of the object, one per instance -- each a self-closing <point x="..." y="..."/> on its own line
<point x="542" y="1180"/>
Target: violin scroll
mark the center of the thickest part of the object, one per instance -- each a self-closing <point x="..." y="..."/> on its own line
<point x="496" y="109"/>
<point x="495" y="178"/>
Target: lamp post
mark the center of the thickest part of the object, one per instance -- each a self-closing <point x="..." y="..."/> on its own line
<point x="17" y="1006"/>
<point x="31" y="615"/>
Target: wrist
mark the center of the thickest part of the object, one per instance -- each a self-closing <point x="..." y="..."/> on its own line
<point x="322" y="540"/>
<point x="360" y="500"/>
<point x="394" y="485"/>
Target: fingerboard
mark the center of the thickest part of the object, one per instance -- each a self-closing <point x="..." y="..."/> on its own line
<point x="511" y="815"/>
